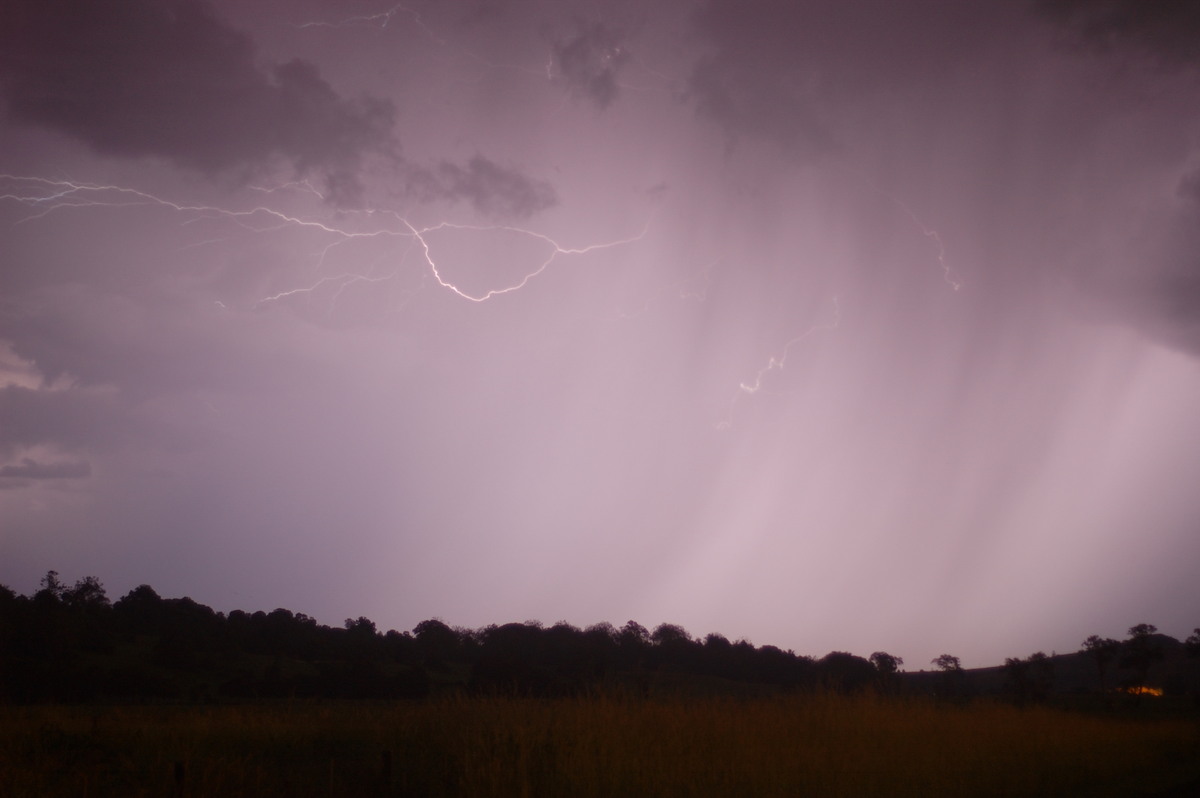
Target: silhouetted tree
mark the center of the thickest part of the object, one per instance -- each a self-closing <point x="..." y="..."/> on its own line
<point x="887" y="667"/>
<point x="947" y="663"/>
<point x="10" y="612"/>
<point x="604" y="630"/>
<point x="8" y="609"/>
<point x="771" y="665"/>
<point x="952" y="675"/>
<point x="633" y="634"/>
<point x="50" y="631"/>
<point x="1193" y="643"/>
<point x="52" y="589"/>
<point x="89" y="612"/>
<point x="437" y="642"/>
<point x="8" y="601"/>
<point x="571" y="659"/>
<point x="633" y="645"/>
<point x="141" y="610"/>
<point x="1030" y="679"/>
<point x="719" y="658"/>
<point x="362" y="641"/>
<point x="845" y="672"/>
<point x="68" y="643"/>
<point x="190" y="636"/>
<point x="666" y="634"/>
<point x="281" y="632"/>
<point x="88" y="593"/>
<point x="1102" y="650"/>
<point x="509" y="660"/>
<point x="1141" y="651"/>
<point x="886" y="663"/>
<point x="674" y="648"/>
<point x="1016" y="678"/>
<point x="1041" y="675"/>
<point x="360" y="626"/>
<point x="401" y="647"/>
<point x="599" y="641"/>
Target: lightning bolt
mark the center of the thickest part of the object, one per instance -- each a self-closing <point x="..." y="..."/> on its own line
<point x="932" y="235"/>
<point x="293" y="185"/>
<point x="948" y="274"/>
<point x="556" y="250"/>
<point x="342" y="281"/>
<point x="779" y="362"/>
<point x="45" y="196"/>
<point x="60" y="194"/>
<point x="379" y="20"/>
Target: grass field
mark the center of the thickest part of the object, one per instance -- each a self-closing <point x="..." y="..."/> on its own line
<point x="819" y="745"/>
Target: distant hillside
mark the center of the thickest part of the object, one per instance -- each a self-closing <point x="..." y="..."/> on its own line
<point x="1177" y="673"/>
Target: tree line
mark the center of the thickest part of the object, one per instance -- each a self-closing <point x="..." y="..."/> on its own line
<point x="69" y="642"/>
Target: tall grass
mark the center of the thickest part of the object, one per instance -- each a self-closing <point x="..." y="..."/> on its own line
<point x="823" y="745"/>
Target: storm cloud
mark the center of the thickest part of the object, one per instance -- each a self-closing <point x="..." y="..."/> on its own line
<point x="590" y="63"/>
<point x="1165" y="32"/>
<point x="835" y="325"/>
<point x="491" y="189"/>
<point x="172" y="80"/>
<point x="795" y="73"/>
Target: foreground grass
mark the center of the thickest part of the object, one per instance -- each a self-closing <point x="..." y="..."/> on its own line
<point x="611" y="746"/>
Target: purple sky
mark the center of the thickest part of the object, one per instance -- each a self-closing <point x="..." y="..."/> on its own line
<point x="831" y="325"/>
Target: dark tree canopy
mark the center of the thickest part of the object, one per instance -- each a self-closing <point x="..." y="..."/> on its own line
<point x="68" y="642"/>
<point x="1141" y="651"/>
<point x="947" y="663"/>
<point x="1103" y="650"/>
<point x="887" y="664"/>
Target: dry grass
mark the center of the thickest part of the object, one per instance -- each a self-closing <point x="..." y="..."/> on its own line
<point x="607" y="746"/>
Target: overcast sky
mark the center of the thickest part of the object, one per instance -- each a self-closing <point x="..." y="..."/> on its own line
<point x="831" y="325"/>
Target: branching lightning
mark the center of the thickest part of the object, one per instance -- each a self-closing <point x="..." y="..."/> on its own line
<point x="932" y="235"/>
<point x="379" y="20"/>
<point x="293" y="185"/>
<point x="45" y="196"/>
<point x="948" y="274"/>
<point x="62" y="194"/>
<point x="556" y="251"/>
<point x="779" y="362"/>
<point x="342" y="281"/>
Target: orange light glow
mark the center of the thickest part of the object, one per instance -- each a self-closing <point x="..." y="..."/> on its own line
<point x="1142" y="690"/>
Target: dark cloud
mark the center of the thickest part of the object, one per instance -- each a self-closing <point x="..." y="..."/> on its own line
<point x="1142" y="59"/>
<point x="170" y="79"/>
<point x="589" y="63"/>
<point x="1166" y="30"/>
<point x="490" y="188"/>
<point x="29" y="468"/>
<point x="784" y="71"/>
<point x="746" y="104"/>
<point x="1189" y="185"/>
<point x="1174" y="285"/>
<point x="709" y="402"/>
